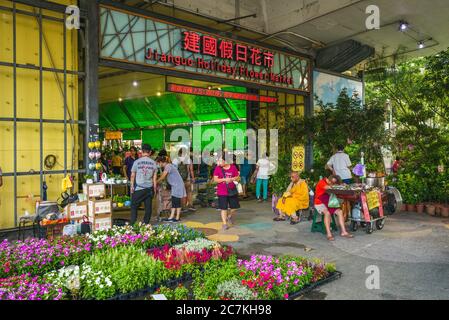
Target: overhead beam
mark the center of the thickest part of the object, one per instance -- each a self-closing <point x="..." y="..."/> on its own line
<point x="227" y="109"/>
<point x="106" y="118"/>
<point x="128" y="115"/>
<point x="238" y="18"/>
<point x="186" y="108"/>
<point x="150" y="109"/>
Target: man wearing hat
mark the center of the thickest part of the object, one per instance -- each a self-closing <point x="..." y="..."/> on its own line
<point x="143" y="184"/>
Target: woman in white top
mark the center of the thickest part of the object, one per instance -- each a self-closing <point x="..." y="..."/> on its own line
<point x="263" y="170"/>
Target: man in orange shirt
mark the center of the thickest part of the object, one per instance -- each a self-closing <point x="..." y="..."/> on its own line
<point x="321" y="205"/>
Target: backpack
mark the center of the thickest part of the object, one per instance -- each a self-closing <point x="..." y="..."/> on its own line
<point x="183" y="170"/>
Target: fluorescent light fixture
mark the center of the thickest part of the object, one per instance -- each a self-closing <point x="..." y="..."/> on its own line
<point x="403" y="26"/>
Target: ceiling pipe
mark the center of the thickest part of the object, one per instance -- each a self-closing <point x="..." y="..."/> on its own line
<point x="318" y="43"/>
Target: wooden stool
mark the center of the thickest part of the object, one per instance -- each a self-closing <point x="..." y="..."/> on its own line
<point x="319" y="226"/>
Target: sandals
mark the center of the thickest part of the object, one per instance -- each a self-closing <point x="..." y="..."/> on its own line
<point x="331" y="238"/>
<point x="349" y="236"/>
<point x="293" y="222"/>
<point x="277" y="219"/>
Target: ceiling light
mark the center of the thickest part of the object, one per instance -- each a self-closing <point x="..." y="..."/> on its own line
<point x="403" y="26"/>
<point x="209" y="87"/>
<point x="219" y="89"/>
<point x="135" y="83"/>
<point x="158" y="94"/>
<point x="421" y="45"/>
<point x="120" y="99"/>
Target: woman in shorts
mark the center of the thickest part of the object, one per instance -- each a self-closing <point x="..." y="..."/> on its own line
<point x="178" y="191"/>
<point x="225" y="174"/>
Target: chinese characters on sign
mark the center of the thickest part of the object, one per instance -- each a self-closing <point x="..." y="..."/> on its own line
<point x="225" y="49"/>
<point x="242" y="56"/>
<point x="172" y="87"/>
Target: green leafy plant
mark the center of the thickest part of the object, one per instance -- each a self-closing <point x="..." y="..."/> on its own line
<point x="130" y="268"/>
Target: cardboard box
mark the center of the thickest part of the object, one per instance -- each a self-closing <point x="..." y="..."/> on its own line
<point x="99" y="207"/>
<point x="76" y="210"/>
<point x="95" y="190"/>
<point x="102" y="222"/>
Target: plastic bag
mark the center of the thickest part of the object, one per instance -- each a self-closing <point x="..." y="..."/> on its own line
<point x="333" y="202"/>
<point x="69" y="230"/>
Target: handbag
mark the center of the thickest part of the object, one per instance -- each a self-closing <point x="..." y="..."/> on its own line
<point x="333" y="202"/>
<point x="231" y="192"/>
<point x="86" y="225"/>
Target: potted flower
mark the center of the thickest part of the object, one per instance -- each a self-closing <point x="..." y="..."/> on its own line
<point x="89" y="178"/>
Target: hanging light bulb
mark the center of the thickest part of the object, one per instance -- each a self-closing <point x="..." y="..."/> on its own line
<point x="421" y="45"/>
<point x="135" y="83"/>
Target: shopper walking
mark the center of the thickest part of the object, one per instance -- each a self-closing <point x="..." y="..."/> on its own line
<point x="143" y="184"/>
<point x="225" y="175"/>
<point x="185" y="168"/>
<point x="178" y="191"/>
<point x="263" y="169"/>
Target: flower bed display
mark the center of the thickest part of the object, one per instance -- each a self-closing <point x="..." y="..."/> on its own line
<point x="37" y="257"/>
<point x="185" y="259"/>
<point x="261" y="277"/>
<point x="143" y="236"/>
<point x="130" y="262"/>
<point x="25" y="287"/>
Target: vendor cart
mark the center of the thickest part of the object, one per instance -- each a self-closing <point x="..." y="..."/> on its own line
<point x="367" y="205"/>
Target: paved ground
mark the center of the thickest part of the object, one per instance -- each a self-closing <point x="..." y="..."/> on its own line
<point x="412" y="251"/>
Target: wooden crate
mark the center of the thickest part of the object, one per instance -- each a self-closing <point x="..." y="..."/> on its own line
<point x="94" y="190"/>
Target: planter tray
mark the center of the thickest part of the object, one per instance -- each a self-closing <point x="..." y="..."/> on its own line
<point x="334" y="276"/>
<point x="150" y="290"/>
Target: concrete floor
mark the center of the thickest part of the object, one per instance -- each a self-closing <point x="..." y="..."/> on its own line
<point x="411" y="252"/>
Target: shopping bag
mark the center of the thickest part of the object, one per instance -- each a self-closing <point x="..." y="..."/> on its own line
<point x="333" y="202"/>
<point x="86" y="226"/>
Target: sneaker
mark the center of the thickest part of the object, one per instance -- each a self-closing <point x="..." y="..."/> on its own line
<point x="259" y="200"/>
<point x="193" y="209"/>
<point x="174" y="220"/>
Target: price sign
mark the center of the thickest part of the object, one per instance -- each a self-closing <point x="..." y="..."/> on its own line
<point x="298" y="158"/>
<point x="113" y="135"/>
<point x="372" y="198"/>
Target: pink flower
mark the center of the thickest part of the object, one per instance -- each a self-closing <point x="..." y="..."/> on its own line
<point x="286" y="296"/>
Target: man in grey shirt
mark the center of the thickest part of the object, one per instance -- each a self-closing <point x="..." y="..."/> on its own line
<point x="178" y="190"/>
<point x="143" y="184"/>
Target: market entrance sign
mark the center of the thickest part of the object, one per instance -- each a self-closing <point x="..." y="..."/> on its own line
<point x="179" y="88"/>
<point x="136" y="39"/>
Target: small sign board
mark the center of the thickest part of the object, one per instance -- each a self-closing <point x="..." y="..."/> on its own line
<point x="372" y="198"/>
<point x="113" y="135"/>
<point x="298" y="158"/>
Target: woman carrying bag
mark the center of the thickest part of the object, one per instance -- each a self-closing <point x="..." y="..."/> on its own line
<point x="225" y="174"/>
